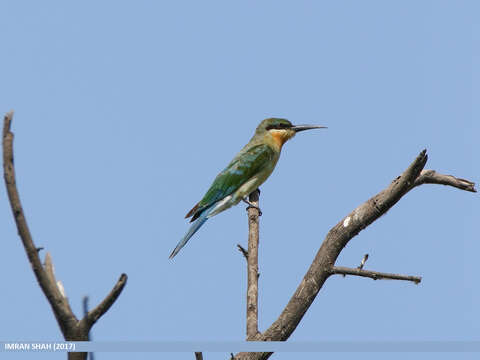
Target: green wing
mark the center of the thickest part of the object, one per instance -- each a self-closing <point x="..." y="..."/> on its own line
<point x="242" y="168"/>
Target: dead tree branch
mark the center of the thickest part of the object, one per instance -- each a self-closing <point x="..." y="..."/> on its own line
<point x="252" y="266"/>
<point x="375" y="275"/>
<point x="72" y="329"/>
<point x="338" y="237"/>
<point x="432" y="177"/>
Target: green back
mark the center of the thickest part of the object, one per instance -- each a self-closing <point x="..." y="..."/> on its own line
<point x="243" y="167"/>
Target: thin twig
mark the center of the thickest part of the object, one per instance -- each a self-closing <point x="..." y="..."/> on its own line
<point x="85" y="313"/>
<point x="91" y="355"/>
<point x="375" y="275"/>
<point x="364" y="260"/>
<point x="85" y="307"/>
<point x="252" y="266"/>
<point x="243" y="251"/>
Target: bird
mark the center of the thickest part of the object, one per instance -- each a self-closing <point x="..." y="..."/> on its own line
<point x="244" y="174"/>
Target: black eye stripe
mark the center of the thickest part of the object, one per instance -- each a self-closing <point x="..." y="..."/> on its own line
<point x="278" y="126"/>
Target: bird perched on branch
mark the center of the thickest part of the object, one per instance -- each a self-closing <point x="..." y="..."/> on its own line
<point x="245" y="173"/>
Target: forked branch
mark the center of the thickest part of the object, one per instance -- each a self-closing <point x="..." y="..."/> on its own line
<point x="71" y="327"/>
<point x="337" y="238"/>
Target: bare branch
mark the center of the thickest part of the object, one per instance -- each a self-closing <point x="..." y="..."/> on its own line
<point x="103" y="307"/>
<point x="252" y="265"/>
<point x="59" y="304"/>
<point x="432" y="177"/>
<point x="338" y="237"/>
<point x="375" y="275"/>
<point x="71" y="328"/>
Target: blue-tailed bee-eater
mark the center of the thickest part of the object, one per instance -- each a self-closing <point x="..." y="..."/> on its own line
<point x="245" y="173"/>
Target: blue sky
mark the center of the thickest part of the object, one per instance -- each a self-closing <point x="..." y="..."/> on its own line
<point x="126" y="111"/>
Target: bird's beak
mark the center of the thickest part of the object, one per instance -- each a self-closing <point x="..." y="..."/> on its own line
<point x="298" y="128"/>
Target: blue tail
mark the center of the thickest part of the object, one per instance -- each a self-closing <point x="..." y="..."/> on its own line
<point x="193" y="229"/>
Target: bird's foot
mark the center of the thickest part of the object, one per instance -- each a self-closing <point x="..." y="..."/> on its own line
<point x="251" y="205"/>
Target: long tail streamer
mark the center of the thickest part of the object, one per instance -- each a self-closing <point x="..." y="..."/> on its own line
<point x="193" y="229"/>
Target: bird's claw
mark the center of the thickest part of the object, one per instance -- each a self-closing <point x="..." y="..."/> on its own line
<point x="252" y="205"/>
<point x="255" y="207"/>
